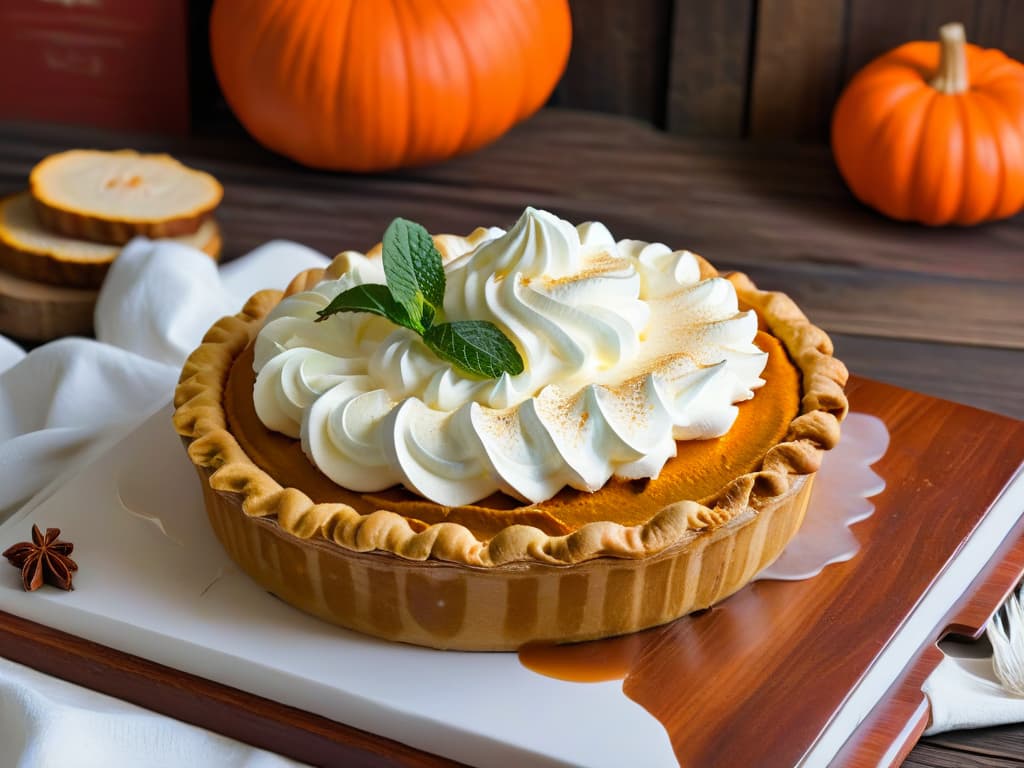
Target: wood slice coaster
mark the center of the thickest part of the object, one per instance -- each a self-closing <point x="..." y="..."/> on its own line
<point x="32" y="311"/>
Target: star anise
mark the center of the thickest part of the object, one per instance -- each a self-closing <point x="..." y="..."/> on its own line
<point x="44" y="559"/>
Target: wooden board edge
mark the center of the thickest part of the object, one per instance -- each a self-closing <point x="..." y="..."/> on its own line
<point x="246" y="717"/>
<point x="892" y="728"/>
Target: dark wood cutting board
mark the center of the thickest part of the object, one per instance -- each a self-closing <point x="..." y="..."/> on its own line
<point x="729" y="692"/>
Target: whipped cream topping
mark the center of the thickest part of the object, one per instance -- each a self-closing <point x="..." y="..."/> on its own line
<point x="626" y="350"/>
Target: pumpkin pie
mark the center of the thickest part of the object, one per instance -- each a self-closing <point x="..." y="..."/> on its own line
<point x="656" y="453"/>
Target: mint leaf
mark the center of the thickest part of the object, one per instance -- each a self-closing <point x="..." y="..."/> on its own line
<point x="413" y="297"/>
<point x="412" y="267"/>
<point x="373" y="298"/>
<point x="476" y="346"/>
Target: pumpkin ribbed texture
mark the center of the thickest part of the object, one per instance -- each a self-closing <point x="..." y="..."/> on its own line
<point x="934" y="132"/>
<point x="362" y="86"/>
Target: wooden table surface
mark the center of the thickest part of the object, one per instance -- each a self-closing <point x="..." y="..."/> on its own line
<point x="938" y="311"/>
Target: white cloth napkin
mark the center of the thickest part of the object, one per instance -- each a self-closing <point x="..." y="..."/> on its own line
<point x="10" y="353"/>
<point x="964" y="692"/>
<point x="69" y="400"/>
<point x="48" y="722"/>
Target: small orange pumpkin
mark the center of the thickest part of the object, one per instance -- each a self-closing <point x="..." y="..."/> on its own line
<point x="359" y="85"/>
<point x="934" y="132"/>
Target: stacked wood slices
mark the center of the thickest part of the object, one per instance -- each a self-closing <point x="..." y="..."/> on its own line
<point x="59" y="237"/>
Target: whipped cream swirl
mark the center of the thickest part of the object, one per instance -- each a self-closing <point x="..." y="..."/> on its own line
<point x="626" y="350"/>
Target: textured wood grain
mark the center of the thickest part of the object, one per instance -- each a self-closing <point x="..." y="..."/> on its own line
<point x="997" y="24"/>
<point x="257" y="721"/>
<point x="619" y="58"/>
<point x="685" y="63"/>
<point x="833" y="625"/>
<point x="976" y="376"/>
<point x="1006" y="741"/>
<point x="737" y="202"/>
<point x="876" y="26"/>
<point x="709" y="67"/>
<point x="888" y="304"/>
<point x="797" y="67"/>
<point x="927" y="755"/>
<point x="889" y="731"/>
<point x="31" y="311"/>
<point x="778" y="211"/>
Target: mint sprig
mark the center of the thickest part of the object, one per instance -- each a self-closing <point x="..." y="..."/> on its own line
<point x="376" y="299"/>
<point x="414" y="297"/>
<point x="412" y="266"/>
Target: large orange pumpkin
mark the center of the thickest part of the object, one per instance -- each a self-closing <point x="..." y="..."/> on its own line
<point x="370" y="85"/>
<point x="934" y="132"/>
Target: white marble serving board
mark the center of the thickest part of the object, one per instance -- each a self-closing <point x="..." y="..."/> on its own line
<point x="154" y="582"/>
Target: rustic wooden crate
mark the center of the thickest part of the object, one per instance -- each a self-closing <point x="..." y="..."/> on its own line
<point x="727" y="68"/>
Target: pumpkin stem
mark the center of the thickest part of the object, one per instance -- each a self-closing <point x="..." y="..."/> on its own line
<point x="952" y="74"/>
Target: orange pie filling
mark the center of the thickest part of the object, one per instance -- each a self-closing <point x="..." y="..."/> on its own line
<point x="700" y="469"/>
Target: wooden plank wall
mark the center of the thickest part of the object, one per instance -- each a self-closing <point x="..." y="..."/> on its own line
<point x="752" y="68"/>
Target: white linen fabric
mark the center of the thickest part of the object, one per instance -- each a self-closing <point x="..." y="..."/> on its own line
<point x="63" y="401"/>
<point x="10" y="353"/>
<point x="160" y="298"/>
<point x="68" y="401"/>
<point x="72" y="398"/>
<point x="964" y="692"/>
<point x="48" y="722"/>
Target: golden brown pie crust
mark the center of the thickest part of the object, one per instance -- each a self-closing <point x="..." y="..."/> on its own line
<point x="440" y="585"/>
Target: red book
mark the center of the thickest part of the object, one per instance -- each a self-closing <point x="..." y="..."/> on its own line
<point x="112" y="63"/>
